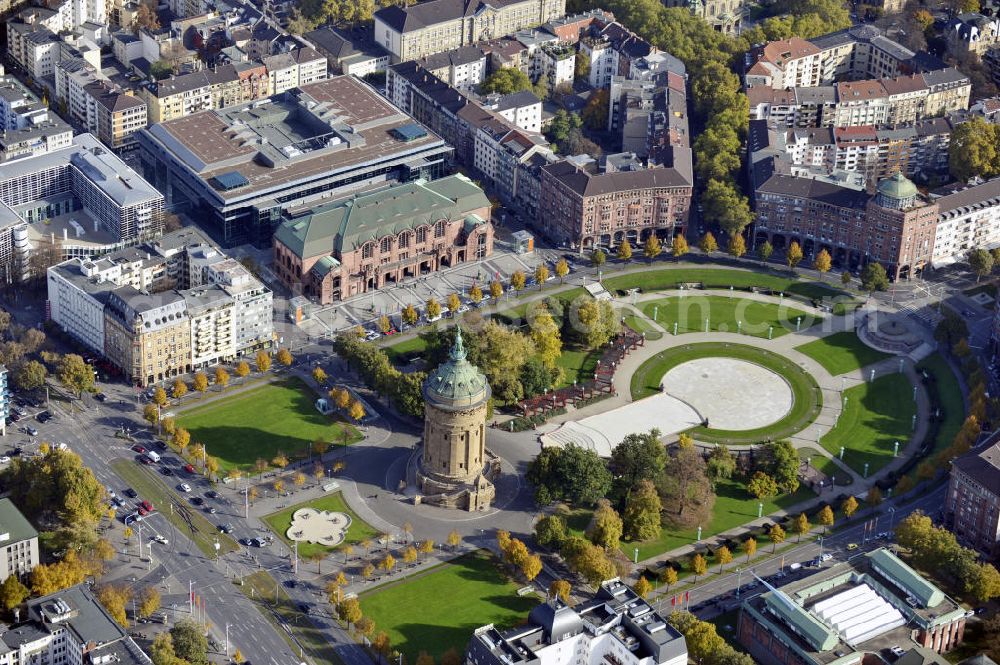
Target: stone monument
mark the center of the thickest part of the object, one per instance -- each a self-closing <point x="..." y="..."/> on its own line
<point x="456" y="470"/>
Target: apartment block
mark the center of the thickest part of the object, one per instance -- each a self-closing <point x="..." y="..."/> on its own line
<point x="972" y="507"/>
<point x="896" y="227"/>
<point x="849" y="78"/>
<point x="27" y="126"/>
<point x="168" y="307"/>
<point x="463" y="68"/>
<point x="968" y="218"/>
<point x="18" y="539"/>
<point x="437" y="26"/>
<point x="354" y="53"/>
<point x="69" y="627"/>
<point x="972" y="34"/>
<point x="586" y="207"/>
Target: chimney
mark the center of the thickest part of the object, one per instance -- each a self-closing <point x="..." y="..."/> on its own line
<point x="65" y="234"/>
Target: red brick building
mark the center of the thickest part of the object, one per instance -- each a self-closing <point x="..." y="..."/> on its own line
<point x="373" y="240"/>
<point x="973" y="503"/>
<point x="585" y="208"/>
<point x="895" y="227"/>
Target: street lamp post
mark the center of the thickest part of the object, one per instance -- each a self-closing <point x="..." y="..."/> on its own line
<point x="739" y="577"/>
<point x="892" y="516"/>
<point x="227" y="640"/>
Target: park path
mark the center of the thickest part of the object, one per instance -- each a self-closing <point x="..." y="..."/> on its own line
<point x="832" y="388"/>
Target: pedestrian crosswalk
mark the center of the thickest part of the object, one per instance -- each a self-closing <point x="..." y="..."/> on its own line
<point x="928" y="314"/>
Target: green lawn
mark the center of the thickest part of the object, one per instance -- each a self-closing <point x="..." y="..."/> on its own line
<point x="516" y="315"/>
<point x="876" y="415"/>
<point x="358" y="531"/>
<point x="807" y="400"/>
<point x="577" y="366"/>
<point x="712" y="278"/>
<point x="949" y="396"/>
<point x="841" y="353"/>
<point x="439" y="610"/>
<point x="824" y="465"/>
<point x="240" y="428"/>
<point x="641" y="325"/>
<point x="400" y="352"/>
<point x="725" y="315"/>
<point x="733" y="507"/>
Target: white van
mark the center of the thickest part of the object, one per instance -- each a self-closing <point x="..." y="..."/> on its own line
<point x="154" y="457"/>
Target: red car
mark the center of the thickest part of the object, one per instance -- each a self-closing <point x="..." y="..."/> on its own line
<point x="189" y="468"/>
<point x="142" y="511"/>
<point x="147" y="505"/>
<point x="139" y="449"/>
<point x="145" y="460"/>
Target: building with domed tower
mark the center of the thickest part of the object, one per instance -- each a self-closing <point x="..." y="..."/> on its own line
<point x="895" y="226"/>
<point x="455" y="469"/>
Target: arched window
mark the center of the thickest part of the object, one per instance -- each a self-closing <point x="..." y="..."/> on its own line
<point x="366" y="250"/>
<point x="404" y="239"/>
<point x="439" y="229"/>
<point x="421" y="234"/>
<point x="386" y="245"/>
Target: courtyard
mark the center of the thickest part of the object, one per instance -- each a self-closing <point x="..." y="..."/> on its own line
<point x="278" y="417"/>
<point x="438" y="610"/>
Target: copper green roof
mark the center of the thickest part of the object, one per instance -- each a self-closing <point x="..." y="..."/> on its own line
<point x="890" y="566"/>
<point x="897" y="187"/>
<point x="344" y="226"/>
<point x="457" y="382"/>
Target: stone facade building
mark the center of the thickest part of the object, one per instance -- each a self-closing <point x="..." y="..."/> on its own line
<point x="369" y="241"/>
<point x="417" y="31"/>
<point x="456" y="470"/>
<point x="972" y="507"/>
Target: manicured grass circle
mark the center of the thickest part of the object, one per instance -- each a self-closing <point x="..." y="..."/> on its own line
<point x="357" y="532"/>
<point x="807" y="400"/>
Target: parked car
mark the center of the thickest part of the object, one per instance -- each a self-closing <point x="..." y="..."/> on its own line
<point x="211" y="510"/>
<point x="101" y="397"/>
<point x="139" y="449"/>
<point x="184" y="487"/>
<point x="189" y="468"/>
<point x="147" y="505"/>
<point x="212" y="494"/>
<point x="197" y="500"/>
<point x="130" y="493"/>
<point x="31" y="431"/>
<point x="372" y="335"/>
<point x="166" y="470"/>
<point x="160" y="539"/>
<point x="826" y="557"/>
<point x="226" y="528"/>
<point x="851" y="547"/>
<point x="5" y="459"/>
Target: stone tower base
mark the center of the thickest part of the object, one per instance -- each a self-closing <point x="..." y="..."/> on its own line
<point x="477" y="495"/>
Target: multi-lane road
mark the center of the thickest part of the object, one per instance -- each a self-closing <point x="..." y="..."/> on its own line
<point x="178" y="566"/>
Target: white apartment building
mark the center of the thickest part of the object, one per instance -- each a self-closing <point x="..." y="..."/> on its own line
<point x="615" y="627"/>
<point x="28" y="127"/>
<point x="967" y="219"/>
<point x="77" y="293"/>
<point x="463" y="68"/>
<point x="555" y="64"/>
<point x="522" y="109"/>
<point x="18" y="539"/>
<point x="861" y="103"/>
<point x="293" y="69"/>
<point x="785" y="64"/>
<point x="69" y="627"/>
<point x="211" y="311"/>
